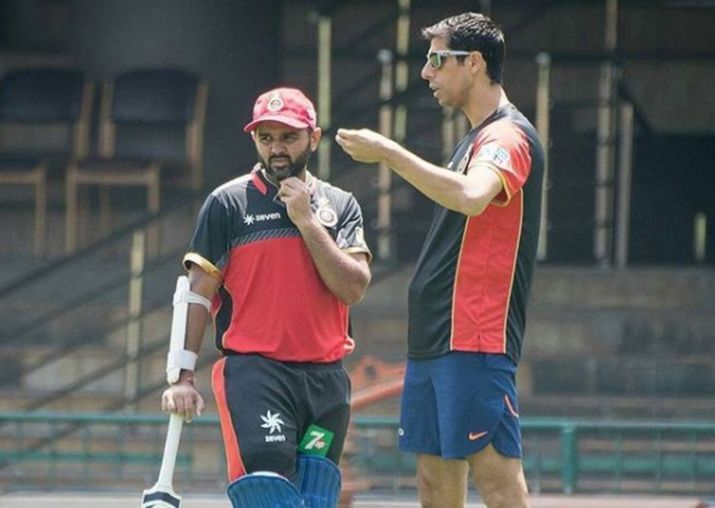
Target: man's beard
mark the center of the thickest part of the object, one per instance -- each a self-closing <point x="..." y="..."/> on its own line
<point x="293" y="168"/>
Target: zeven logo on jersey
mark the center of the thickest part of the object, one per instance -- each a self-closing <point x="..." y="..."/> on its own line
<point x="260" y="217"/>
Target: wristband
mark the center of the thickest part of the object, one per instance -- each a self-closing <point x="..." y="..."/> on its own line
<point x="178" y="360"/>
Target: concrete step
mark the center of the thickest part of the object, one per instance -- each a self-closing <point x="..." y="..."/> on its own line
<point x="619" y="407"/>
<point x="102" y="390"/>
<point x="576" y="310"/>
<point x="655" y="289"/>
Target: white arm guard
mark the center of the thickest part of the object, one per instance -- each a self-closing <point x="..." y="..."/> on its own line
<point x="178" y="357"/>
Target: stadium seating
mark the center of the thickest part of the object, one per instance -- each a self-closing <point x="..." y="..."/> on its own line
<point x="151" y="125"/>
<point x="32" y="103"/>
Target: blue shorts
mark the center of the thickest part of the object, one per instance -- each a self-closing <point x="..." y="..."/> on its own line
<point x="456" y="404"/>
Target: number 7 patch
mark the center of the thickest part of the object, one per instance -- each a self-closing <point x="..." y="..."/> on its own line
<point x="316" y="441"/>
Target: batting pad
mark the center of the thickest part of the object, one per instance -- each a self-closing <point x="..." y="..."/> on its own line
<point x="319" y="481"/>
<point x="264" y="489"/>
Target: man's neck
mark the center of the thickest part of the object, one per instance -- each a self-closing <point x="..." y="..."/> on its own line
<point x="484" y="103"/>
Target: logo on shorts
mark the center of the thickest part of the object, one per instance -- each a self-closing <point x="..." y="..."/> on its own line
<point x="473" y="436"/>
<point x="316" y="441"/>
<point x="274" y="424"/>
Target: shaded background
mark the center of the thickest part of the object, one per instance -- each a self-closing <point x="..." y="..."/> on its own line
<point x="603" y="342"/>
<point x="664" y="54"/>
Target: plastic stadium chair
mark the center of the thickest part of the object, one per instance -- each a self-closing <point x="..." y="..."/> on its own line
<point x="150" y="129"/>
<point x="36" y="105"/>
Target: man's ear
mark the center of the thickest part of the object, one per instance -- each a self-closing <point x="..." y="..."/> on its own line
<point x="315" y="136"/>
<point x="476" y="61"/>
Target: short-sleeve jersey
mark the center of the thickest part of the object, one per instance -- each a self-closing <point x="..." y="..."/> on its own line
<point x="272" y="300"/>
<point x="472" y="279"/>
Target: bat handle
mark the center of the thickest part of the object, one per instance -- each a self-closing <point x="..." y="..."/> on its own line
<point x="171" y="448"/>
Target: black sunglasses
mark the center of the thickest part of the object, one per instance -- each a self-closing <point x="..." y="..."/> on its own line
<point x="435" y="57"/>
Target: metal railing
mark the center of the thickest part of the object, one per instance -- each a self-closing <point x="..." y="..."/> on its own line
<point x="572" y="455"/>
<point x="566" y="455"/>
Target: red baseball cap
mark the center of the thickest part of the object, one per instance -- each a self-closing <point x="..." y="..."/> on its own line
<point x="284" y="105"/>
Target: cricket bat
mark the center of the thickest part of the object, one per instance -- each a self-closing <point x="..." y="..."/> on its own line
<point x="162" y="494"/>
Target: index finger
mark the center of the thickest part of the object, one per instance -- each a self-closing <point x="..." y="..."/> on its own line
<point x="345" y="133"/>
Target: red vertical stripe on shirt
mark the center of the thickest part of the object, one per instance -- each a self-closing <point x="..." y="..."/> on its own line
<point x="484" y="278"/>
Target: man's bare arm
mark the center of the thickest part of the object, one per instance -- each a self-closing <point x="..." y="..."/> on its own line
<point x="183" y="397"/>
<point x="346" y="275"/>
<point x="469" y="194"/>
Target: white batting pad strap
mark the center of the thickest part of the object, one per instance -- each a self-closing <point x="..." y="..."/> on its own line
<point x="201" y="300"/>
<point x="178" y="360"/>
<point x="188" y="296"/>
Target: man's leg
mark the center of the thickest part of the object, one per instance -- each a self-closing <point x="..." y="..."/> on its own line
<point x="442" y="483"/>
<point x="500" y="480"/>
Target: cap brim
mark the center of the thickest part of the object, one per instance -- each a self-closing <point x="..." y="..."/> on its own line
<point x="290" y="122"/>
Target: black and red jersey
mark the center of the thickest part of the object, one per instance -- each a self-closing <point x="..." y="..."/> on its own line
<point x="272" y="301"/>
<point x="471" y="283"/>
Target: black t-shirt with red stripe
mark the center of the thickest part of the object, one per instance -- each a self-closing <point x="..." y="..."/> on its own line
<point x="471" y="283"/>
<point x="273" y="301"/>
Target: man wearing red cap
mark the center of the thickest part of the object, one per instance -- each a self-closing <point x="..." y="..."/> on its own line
<point x="281" y="256"/>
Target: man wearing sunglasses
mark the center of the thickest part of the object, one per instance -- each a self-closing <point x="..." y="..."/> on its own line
<point x="468" y="295"/>
<point x="277" y="258"/>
